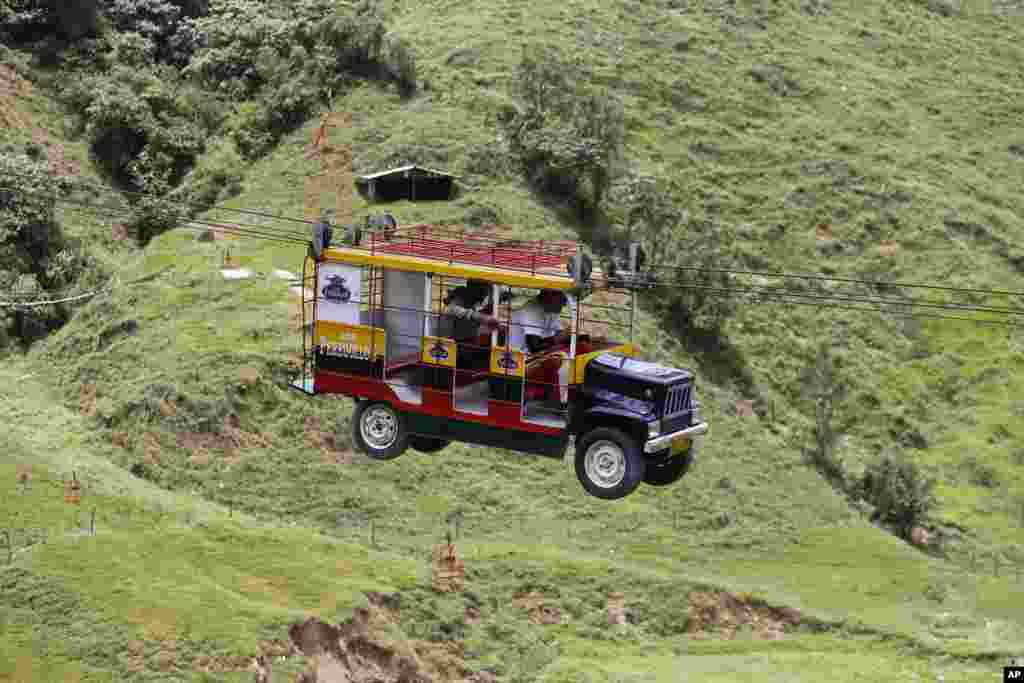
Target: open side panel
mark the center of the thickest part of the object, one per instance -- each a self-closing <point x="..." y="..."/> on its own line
<point x="405" y="305"/>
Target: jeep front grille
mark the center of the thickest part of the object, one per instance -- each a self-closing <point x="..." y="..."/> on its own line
<point x="677" y="401"/>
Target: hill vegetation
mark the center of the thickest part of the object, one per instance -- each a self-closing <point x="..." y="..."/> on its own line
<point x="876" y="140"/>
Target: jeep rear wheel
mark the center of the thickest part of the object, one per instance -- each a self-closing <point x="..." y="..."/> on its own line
<point x="672" y="470"/>
<point x="379" y="430"/>
<point x="609" y="463"/>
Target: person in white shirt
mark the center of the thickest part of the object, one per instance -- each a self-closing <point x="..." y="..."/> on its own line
<point x="536" y="330"/>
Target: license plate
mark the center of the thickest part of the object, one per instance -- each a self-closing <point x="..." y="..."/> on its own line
<point x="680" y="445"/>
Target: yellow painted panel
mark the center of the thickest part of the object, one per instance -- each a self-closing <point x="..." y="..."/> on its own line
<point x="581" y="361"/>
<point x="680" y="445"/>
<point x="506" y="362"/>
<point x="417" y="264"/>
<point x="440" y="351"/>
<point x="349" y="341"/>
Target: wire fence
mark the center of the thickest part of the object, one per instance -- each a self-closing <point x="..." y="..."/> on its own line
<point x="413" y="534"/>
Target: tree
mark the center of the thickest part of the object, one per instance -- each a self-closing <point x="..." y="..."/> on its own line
<point x="33" y="258"/>
<point x="567" y="137"/>
<point x="689" y="252"/>
<point x="898" y="490"/>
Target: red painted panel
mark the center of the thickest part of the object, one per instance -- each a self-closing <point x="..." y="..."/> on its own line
<point x="435" y="403"/>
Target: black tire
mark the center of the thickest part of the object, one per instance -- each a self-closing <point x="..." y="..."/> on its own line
<point x="385" y="436"/>
<point x="609" y="463"/>
<point x="427" y="444"/>
<point x="673" y="470"/>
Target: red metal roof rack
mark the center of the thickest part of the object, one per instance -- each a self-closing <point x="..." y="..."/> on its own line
<point x="476" y="248"/>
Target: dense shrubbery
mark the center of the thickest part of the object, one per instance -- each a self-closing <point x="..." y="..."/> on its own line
<point x="567" y="137"/>
<point x="159" y="77"/>
<point x="28" y="21"/>
<point x="159" y="25"/>
<point x="35" y="257"/>
<point x="286" y="63"/>
<point x="142" y="128"/>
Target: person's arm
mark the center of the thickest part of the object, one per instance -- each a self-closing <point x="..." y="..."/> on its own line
<point x="457" y="311"/>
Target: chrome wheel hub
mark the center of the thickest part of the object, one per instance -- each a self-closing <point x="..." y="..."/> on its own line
<point x="605" y="464"/>
<point x="379" y="427"/>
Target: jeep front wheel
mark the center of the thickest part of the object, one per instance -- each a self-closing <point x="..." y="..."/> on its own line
<point x="379" y="430"/>
<point x="609" y="463"/>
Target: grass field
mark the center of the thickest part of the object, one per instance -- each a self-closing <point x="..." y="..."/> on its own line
<point x="250" y="511"/>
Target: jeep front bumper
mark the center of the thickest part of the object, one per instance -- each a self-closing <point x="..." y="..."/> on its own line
<point x="664" y="441"/>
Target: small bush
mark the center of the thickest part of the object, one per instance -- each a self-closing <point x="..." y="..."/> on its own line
<point x="899" y="491"/>
<point x="250" y="130"/>
<point x="152" y="216"/>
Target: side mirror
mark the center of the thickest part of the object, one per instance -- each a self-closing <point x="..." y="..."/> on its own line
<point x="579" y="266"/>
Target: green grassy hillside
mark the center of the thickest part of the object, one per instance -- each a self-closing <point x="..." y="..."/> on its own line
<point x="890" y="122"/>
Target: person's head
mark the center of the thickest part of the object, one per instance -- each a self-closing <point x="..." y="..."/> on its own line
<point x="478" y="290"/>
<point x="551" y="300"/>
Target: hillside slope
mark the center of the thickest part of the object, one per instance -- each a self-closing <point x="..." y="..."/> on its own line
<point x="877" y="119"/>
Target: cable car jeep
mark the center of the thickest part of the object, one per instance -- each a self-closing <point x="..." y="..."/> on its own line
<point x="377" y="327"/>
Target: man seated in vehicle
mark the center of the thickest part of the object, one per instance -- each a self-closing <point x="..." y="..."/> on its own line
<point x="536" y="330"/>
<point x="463" y="321"/>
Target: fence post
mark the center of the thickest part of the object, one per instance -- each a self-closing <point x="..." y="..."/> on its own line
<point x="10" y="546"/>
<point x="373" y="535"/>
<point x="92" y="523"/>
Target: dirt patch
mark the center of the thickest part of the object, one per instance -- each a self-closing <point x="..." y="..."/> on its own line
<point x="351" y="652"/>
<point x="616" y="609"/>
<point x="888" y="248"/>
<point x="324" y="442"/>
<point x="87" y="399"/>
<point x="151" y="448"/>
<point x="727" y="614"/>
<point x="276" y="588"/>
<point x="219" y="664"/>
<point x="249" y="375"/>
<point x="345" y="654"/>
<point x="230" y="439"/>
<point x="156" y="623"/>
<point x="537" y="608"/>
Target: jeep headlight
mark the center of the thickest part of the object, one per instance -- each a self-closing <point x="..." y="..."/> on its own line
<point x="653" y="428"/>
